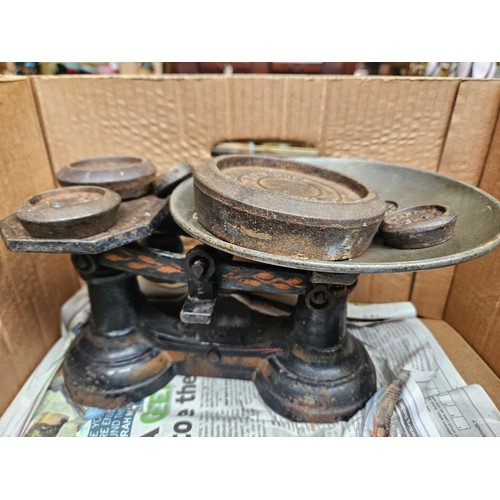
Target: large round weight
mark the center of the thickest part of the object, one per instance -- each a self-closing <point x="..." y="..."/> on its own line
<point x="286" y="207"/>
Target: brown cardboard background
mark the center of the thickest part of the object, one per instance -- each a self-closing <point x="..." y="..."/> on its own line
<point x="471" y="129"/>
<point x="473" y="306"/>
<point x="464" y="155"/>
<point x="32" y="286"/>
<point x="175" y="118"/>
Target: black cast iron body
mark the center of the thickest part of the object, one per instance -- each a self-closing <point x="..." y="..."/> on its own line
<point x="304" y="364"/>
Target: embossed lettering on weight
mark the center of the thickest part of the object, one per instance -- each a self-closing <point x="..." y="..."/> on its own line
<point x="417" y="215"/>
<point x="294" y="184"/>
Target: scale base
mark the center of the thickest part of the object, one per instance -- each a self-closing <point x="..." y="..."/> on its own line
<point x="322" y="386"/>
<point x="116" y="371"/>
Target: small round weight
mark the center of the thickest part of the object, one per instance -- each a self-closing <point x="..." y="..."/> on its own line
<point x="418" y="227"/>
<point x="165" y="183"/>
<point x="128" y="176"/>
<point x="71" y="212"/>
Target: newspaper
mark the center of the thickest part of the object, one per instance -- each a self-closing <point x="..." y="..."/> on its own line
<point x="419" y="393"/>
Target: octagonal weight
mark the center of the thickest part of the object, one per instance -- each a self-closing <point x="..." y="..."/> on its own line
<point x="136" y="220"/>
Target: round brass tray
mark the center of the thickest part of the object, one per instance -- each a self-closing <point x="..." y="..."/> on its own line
<point x="477" y="229"/>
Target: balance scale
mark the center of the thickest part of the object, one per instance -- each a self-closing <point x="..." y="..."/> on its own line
<point x="266" y="228"/>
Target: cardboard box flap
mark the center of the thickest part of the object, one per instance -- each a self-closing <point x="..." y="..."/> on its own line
<point x="32" y="286"/>
<point x="468" y="363"/>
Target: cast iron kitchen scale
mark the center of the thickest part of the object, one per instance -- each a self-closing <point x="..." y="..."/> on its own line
<point x="267" y="227"/>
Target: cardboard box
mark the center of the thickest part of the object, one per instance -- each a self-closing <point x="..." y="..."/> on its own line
<point x="449" y="126"/>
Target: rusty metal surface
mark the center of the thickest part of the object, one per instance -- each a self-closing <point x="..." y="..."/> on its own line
<point x="107" y="373"/>
<point x="305" y="366"/>
<point x="136" y="219"/>
<point x="327" y="374"/>
<point x="129" y="349"/>
<point x="418" y="227"/>
<point x="73" y="212"/>
<point x="477" y="230"/>
<point x="112" y="362"/>
<point x="237" y="276"/>
<point x="130" y="177"/>
<point x="304" y="363"/>
<point x="286" y="207"/>
<point x="391" y="206"/>
<point x="234" y="326"/>
<point x="322" y="388"/>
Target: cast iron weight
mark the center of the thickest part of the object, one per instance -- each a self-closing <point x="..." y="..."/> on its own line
<point x="418" y="227"/>
<point x="128" y="176"/>
<point x="285" y="207"/>
<point x="72" y="212"/>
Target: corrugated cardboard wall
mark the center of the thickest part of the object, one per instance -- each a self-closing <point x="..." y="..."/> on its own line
<point x="32" y="286"/>
<point x="477" y="315"/>
<point x="465" y="151"/>
<point x="180" y="118"/>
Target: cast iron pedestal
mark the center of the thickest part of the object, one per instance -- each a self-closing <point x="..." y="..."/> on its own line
<point x="112" y="362"/>
<point x="326" y="375"/>
<point x="307" y="368"/>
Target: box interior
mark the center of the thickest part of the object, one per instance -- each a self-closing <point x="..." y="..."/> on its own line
<point x="449" y="126"/>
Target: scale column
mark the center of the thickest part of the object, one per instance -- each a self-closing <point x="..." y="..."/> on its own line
<point x="111" y="362"/>
<point x="326" y="374"/>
